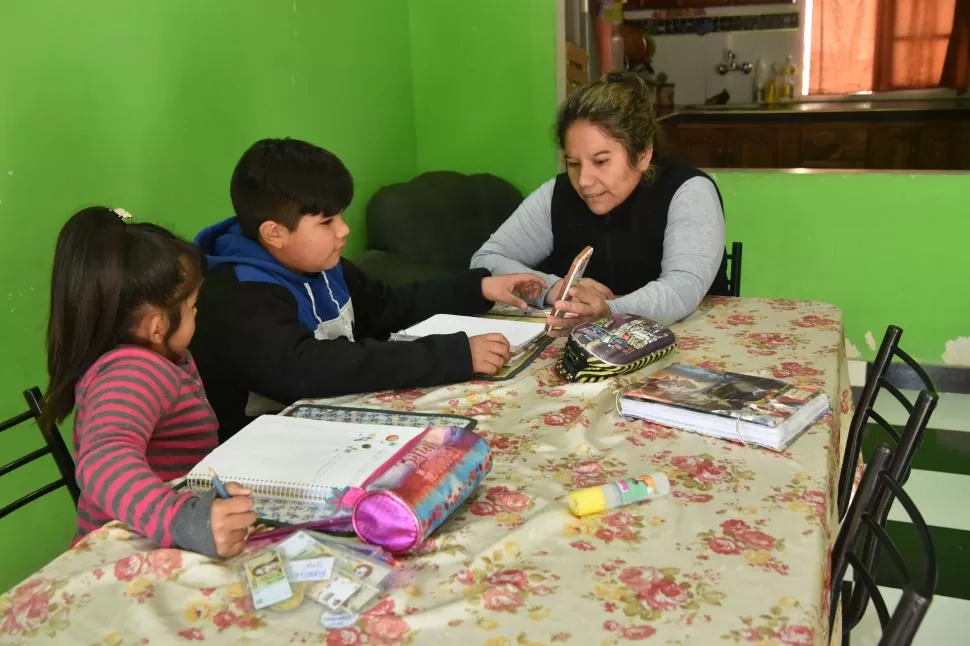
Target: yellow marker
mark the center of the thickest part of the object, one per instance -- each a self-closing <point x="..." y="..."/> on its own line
<point x="617" y="494"/>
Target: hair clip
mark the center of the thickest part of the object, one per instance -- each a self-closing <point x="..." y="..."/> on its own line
<point x="123" y="214"/>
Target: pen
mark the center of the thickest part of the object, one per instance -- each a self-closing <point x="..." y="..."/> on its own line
<point x="340" y="524"/>
<point x="217" y="485"/>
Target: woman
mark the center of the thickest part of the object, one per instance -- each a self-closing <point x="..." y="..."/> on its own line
<point x="655" y="223"/>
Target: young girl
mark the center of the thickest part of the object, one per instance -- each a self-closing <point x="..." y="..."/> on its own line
<point x="122" y="315"/>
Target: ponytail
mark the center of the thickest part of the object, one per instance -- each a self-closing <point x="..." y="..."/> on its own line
<point x="104" y="272"/>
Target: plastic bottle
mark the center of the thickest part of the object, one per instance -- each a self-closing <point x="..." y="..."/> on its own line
<point x="771" y="86"/>
<point x="788" y="82"/>
<point x="760" y="72"/>
<point x="617" y="494"/>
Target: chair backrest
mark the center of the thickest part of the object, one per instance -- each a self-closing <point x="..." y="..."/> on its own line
<point x="440" y="218"/>
<point x="734" y="271"/>
<point x="875" y="382"/>
<point x="862" y="539"/>
<point x="53" y="445"/>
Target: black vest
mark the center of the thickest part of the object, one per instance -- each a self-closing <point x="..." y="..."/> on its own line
<point x="627" y="242"/>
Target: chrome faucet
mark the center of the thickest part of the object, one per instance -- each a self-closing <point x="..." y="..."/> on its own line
<point x="730" y="64"/>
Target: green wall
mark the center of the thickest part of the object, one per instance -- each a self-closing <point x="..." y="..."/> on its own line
<point x="885" y="247"/>
<point x="485" y="87"/>
<point x="148" y="105"/>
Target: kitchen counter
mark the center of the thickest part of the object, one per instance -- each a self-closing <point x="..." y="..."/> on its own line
<point x="802" y="111"/>
<point x="890" y="135"/>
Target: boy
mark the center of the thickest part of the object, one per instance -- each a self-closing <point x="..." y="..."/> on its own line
<point x="283" y="317"/>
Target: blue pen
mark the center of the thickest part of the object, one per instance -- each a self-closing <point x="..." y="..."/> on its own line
<point x="217" y="484"/>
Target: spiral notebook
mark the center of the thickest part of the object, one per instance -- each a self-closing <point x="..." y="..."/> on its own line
<point x="324" y="464"/>
<point x="521" y="334"/>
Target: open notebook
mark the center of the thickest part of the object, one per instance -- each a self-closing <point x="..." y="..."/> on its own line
<point x="521" y="334"/>
<point x="324" y="464"/>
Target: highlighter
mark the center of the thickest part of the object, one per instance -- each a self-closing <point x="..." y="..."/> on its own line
<point x="618" y="494"/>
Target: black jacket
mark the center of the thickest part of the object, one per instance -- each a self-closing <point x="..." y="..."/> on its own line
<point x="629" y="240"/>
<point x="249" y="338"/>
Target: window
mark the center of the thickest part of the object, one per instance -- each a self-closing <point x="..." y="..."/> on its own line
<point x="853" y="46"/>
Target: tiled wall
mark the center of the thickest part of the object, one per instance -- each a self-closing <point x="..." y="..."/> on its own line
<point x="689" y="60"/>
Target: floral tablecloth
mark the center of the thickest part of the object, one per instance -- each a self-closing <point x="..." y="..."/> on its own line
<point x="737" y="553"/>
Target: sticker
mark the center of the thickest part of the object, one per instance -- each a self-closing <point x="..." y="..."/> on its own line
<point x="301" y="546"/>
<point x="266" y="577"/>
<point x="362" y="598"/>
<point x="315" y="569"/>
<point x="342" y="620"/>
<point x="333" y="594"/>
<point x="367" y="571"/>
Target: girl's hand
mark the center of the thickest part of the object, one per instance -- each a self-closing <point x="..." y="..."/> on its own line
<point x="584" y="305"/>
<point x="511" y="288"/>
<point x="231" y="520"/>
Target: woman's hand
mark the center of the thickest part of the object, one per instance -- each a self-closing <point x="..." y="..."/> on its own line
<point x="588" y="283"/>
<point x="585" y="304"/>
<point x="511" y="288"/>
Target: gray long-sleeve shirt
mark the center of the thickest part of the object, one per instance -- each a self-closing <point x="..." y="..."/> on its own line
<point x="692" y="251"/>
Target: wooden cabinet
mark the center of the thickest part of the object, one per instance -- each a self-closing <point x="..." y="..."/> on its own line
<point x="960" y="150"/>
<point x="773" y="143"/>
<point x="727" y="146"/>
<point x="935" y="146"/>
<point x="894" y="147"/>
<point x="834" y="146"/>
<point x="703" y="146"/>
<point x="752" y="147"/>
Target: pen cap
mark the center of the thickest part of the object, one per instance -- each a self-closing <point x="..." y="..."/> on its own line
<point x="588" y="501"/>
<point x="661" y="482"/>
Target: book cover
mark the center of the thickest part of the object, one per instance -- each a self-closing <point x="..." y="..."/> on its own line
<point x="759" y="400"/>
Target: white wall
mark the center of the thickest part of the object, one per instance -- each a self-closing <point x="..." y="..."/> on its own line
<point x="689" y="62"/>
<point x="689" y="59"/>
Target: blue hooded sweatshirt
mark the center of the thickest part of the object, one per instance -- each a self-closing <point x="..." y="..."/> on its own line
<point x="323" y="300"/>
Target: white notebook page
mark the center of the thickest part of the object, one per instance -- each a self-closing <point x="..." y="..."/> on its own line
<point x="308" y="452"/>
<point x="519" y="333"/>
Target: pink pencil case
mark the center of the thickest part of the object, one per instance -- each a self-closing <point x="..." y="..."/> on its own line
<point x="421" y="489"/>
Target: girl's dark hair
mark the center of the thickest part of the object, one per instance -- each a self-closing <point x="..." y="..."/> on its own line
<point x="104" y="271"/>
<point x="621" y="104"/>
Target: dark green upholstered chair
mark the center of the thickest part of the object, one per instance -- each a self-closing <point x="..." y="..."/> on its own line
<point x="429" y="227"/>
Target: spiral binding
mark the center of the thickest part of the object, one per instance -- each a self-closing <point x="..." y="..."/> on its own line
<point x="271" y="488"/>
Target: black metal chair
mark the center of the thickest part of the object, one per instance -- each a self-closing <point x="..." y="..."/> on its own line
<point x="53" y="445"/>
<point x="860" y="542"/>
<point x="875" y="382"/>
<point x="734" y="271"/>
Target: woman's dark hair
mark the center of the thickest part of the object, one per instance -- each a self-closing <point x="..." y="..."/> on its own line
<point x="104" y="271"/>
<point x="621" y="104"/>
<point x="284" y="179"/>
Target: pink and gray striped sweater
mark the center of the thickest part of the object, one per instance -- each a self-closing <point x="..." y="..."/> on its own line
<point x="142" y="420"/>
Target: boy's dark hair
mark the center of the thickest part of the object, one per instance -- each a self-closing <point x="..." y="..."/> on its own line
<point x="284" y="179"/>
<point x="104" y="271"/>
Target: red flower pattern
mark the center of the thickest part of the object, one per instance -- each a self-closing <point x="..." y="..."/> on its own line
<point x="343" y="637"/>
<point x="129" y="567"/>
<point x="502" y="599"/>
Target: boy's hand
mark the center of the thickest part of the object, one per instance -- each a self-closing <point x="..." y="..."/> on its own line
<point x="588" y="283"/>
<point x="511" y="288"/>
<point x="489" y="353"/>
<point x="583" y="305"/>
<point x="231" y="520"/>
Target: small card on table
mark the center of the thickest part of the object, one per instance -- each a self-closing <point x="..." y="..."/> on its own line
<point x="266" y="578"/>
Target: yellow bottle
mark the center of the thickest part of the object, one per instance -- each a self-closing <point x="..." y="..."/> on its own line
<point x="788" y="80"/>
<point x="771" y="91"/>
